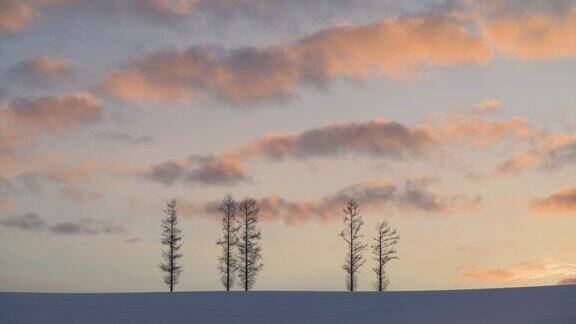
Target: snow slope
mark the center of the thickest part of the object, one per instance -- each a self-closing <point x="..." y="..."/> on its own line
<point x="554" y="304"/>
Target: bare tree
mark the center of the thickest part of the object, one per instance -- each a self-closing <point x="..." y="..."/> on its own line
<point x="227" y="262"/>
<point x="249" y="251"/>
<point x="171" y="237"/>
<point x="351" y="234"/>
<point x="383" y="250"/>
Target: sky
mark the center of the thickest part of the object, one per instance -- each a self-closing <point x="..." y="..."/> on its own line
<point x="454" y="120"/>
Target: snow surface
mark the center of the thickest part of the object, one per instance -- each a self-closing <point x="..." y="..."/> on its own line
<point x="554" y="304"/>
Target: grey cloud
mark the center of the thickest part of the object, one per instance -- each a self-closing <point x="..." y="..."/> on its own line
<point x="567" y="281"/>
<point x="75" y="193"/>
<point x="377" y="138"/>
<point x="167" y="172"/>
<point x="31" y="181"/>
<point x="86" y="226"/>
<point x="53" y="113"/>
<point x="28" y="221"/>
<point x="198" y="169"/>
<point x="173" y="13"/>
<point x="7" y="188"/>
<point x="124" y="137"/>
<point x="41" y="71"/>
<point x="214" y="170"/>
<point x="561" y="201"/>
<point x="415" y="195"/>
<point x="564" y="155"/>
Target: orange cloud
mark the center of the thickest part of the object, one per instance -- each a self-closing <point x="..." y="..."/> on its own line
<point x="522" y="272"/>
<point x="481" y="131"/>
<point x="517" y="164"/>
<point x="395" y="47"/>
<point x="563" y="201"/>
<point x="567" y="281"/>
<point x="547" y="150"/>
<point x="487" y="106"/>
<point x="533" y="36"/>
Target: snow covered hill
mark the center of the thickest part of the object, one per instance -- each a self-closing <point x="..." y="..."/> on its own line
<point x="554" y="304"/>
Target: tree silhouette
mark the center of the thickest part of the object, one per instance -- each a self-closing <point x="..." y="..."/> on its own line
<point x="227" y="262"/>
<point x="351" y="234"/>
<point x="249" y="251"/>
<point x="171" y="237"/>
<point x="383" y="251"/>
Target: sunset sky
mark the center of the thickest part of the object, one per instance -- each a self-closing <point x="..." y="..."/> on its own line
<point x="455" y="120"/>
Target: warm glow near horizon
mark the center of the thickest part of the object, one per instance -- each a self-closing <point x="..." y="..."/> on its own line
<point x="453" y="120"/>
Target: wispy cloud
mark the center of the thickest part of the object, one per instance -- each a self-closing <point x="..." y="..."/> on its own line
<point x="522" y="272"/>
<point x="487" y="106"/>
<point x="413" y="196"/>
<point x="28" y="221"/>
<point x="568" y="281"/>
<point x="561" y="155"/>
<point x="41" y="71"/>
<point x="77" y="194"/>
<point x="124" y="137"/>
<point x="84" y="226"/>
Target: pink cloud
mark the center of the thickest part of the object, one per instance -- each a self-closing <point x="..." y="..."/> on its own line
<point x="378" y="138"/>
<point x="42" y="70"/>
<point x="15" y="15"/>
<point x="54" y="113"/>
<point x="562" y="201"/>
<point x="414" y="196"/>
<point x="197" y="169"/>
<point x="7" y="203"/>
<point x="487" y="106"/>
<point x="395" y="47"/>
